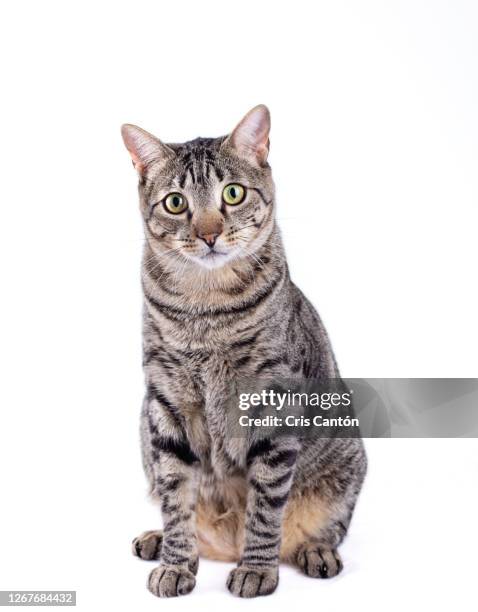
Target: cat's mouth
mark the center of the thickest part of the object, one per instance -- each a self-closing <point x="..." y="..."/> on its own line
<point x="213" y="258"/>
<point x="213" y="254"/>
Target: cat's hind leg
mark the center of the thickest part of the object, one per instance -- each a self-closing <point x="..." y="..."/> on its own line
<point x="312" y="536"/>
<point x="318" y="559"/>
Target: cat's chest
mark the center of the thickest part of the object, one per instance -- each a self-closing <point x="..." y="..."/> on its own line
<point x="210" y="420"/>
<point x="221" y="451"/>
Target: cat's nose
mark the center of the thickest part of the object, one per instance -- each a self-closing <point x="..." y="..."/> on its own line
<point x="209" y="239"/>
<point x="207" y="225"/>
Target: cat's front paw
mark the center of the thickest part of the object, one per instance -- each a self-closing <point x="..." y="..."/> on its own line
<point x="171" y="581"/>
<point x="253" y="581"/>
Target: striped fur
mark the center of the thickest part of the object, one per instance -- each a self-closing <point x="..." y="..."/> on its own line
<point x="209" y="319"/>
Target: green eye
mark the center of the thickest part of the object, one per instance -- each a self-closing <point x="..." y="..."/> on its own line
<point x="175" y="203"/>
<point x="233" y="194"/>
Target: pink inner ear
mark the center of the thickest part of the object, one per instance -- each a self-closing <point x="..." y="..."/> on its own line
<point x="251" y="136"/>
<point x="136" y="160"/>
<point x="143" y="147"/>
<point x="263" y="151"/>
<point x="131" y="145"/>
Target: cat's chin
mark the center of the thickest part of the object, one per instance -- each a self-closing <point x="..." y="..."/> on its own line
<point x="213" y="260"/>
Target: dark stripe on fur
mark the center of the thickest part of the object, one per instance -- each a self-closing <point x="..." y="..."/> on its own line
<point x="258" y="448"/>
<point x="179" y="448"/>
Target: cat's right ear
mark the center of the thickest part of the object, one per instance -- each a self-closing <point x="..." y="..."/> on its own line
<point x="143" y="147"/>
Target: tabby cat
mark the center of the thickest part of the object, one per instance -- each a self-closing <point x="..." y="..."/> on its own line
<point x="219" y="304"/>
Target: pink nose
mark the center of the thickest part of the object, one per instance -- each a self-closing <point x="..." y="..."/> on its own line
<point x="209" y="239"/>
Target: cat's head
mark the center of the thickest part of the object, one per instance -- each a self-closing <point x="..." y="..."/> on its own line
<point x="209" y="201"/>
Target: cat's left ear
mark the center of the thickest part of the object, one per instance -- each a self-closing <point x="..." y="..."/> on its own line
<point x="143" y="147"/>
<point x="250" y="138"/>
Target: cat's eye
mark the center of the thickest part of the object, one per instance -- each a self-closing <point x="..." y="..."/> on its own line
<point x="175" y="203"/>
<point x="233" y="194"/>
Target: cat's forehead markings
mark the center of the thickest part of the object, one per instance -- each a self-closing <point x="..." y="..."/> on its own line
<point x="198" y="162"/>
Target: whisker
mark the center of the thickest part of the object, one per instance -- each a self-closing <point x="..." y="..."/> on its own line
<point x="159" y="258"/>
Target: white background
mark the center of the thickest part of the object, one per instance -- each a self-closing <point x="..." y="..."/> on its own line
<point x="374" y="151"/>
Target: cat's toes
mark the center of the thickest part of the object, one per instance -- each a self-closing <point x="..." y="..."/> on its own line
<point x="251" y="582"/>
<point x="148" y="545"/>
<point x="171" y="581"/>
<point x="319" y="562"/>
